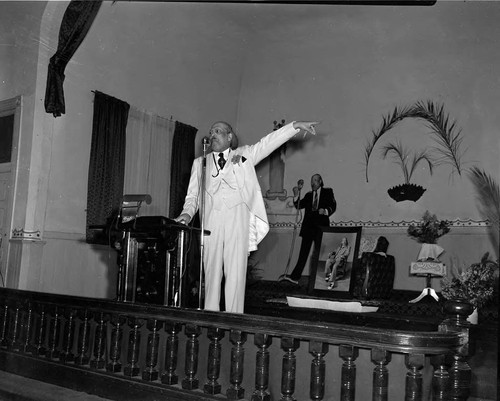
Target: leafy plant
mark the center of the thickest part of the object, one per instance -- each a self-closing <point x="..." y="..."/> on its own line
<point x="429" y="229"/>
<point x="473" y="284"/>
<point x="402" y="157"/>
<point x="488" y="196"/>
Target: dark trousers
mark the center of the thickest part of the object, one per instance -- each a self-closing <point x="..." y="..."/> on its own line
<point x="305" y="248"/>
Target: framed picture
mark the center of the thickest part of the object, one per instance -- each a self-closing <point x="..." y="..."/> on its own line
<point x="332" y="262"/>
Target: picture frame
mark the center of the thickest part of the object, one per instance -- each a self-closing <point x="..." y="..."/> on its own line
<point x="329" y="240"/>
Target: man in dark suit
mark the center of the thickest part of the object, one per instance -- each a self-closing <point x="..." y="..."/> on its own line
<point x="319" y="205"/>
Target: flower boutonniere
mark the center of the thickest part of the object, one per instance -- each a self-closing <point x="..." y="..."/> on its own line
<point x="236" y="159"/>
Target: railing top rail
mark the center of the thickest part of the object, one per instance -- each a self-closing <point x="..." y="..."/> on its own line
<point x="334" y="333"/>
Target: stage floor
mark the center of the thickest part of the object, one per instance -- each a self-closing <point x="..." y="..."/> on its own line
<point x="269" y="298"/>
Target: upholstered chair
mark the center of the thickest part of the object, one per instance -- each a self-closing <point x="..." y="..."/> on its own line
<point x="372" y="276"/>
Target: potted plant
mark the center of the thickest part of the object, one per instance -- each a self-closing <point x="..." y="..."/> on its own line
<point x="427" y="232"/>
<point x="472" y="285"/>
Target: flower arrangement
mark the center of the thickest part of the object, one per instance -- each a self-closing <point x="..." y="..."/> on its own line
<point x="429" y="229"/>
<point x="474" y="284"/>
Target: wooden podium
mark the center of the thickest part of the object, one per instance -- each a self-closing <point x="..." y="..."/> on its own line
<point x="152" y="256"/>
<point x="152" y="253"/>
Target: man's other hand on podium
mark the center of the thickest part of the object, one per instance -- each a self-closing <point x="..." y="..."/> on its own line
<point x="183" y="218"/>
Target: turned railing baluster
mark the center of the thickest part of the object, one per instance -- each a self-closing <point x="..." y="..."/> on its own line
<point x="3" y="328"/>
<point x="26" y="328"/>
<point x="380" y="358"/>
<point x="54" y="332"/>
<point x="172" y="347"/>
<point x="414" y="380"/>
<point x="349" y="354"/>
<point x="460" y="378"/>
<point x="261" y="392"/>
<point x="440" y="378"/>
<point x="115" y="350"/>
<point x="15" y="323"/>
<point x="214" y="360"/>
<point x="150" y="372"/>
<point x="38" y="348"/>
<point x="460" y="371"/>
<point x="134" y="340"/>
<point x="66" y="354"/>
<point x="98" y="361"/>
<point x="317" y="382"/>
<point x="191" y="382"/>
<point x="289" y="366"/>
<point x="238" y="339"/>
<point x="82" y="357"/>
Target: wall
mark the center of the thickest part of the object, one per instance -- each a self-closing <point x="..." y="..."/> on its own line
<point x="348" y="66"/>
<point x="251" y="64"/>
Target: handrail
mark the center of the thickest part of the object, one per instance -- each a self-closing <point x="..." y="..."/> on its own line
<point x="66" y="336"/>
<point x="332" y="333"/>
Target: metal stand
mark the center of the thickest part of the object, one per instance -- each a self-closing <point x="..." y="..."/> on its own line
<point x="294" y="237"/>
<point x="202" y="220"/>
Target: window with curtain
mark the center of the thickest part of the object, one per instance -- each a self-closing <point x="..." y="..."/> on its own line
<point x="148" y="159"/>
<point x="131" y="153"/>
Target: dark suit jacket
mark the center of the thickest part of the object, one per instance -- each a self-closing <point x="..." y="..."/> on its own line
<point x="312" y="220"/>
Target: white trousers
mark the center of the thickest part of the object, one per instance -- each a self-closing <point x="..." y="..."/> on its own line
<point x="226" y="253"/>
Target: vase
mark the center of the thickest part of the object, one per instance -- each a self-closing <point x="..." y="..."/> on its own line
<point x="430" y="252"/>
<point x="460" y="310"/>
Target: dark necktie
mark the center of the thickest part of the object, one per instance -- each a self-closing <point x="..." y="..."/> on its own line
<point x="315" y="201"/>
<point x="221" y="160"/>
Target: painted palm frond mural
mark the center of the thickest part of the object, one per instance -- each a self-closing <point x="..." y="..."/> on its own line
<point x="447" y="150"/>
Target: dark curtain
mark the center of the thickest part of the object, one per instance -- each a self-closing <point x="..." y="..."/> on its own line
<point x="180" y="171"/>
<point x="182" y="160"/>
<point x="107" y="164"/>
<point x="75" y="24"/>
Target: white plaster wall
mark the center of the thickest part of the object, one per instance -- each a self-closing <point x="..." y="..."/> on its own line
<point x="347" y="66"/>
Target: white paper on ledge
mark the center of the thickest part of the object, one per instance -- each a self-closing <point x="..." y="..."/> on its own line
<point x="354" y="307"/>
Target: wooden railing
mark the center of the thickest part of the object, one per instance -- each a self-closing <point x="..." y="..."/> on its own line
<point x="128" y="351"/>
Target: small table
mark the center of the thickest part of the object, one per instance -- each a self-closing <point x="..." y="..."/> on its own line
<point x="428" y="269"/>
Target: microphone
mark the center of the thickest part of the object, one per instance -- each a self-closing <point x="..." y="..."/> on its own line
<point x="206" y="144"/>
<point x="300" y="182"/>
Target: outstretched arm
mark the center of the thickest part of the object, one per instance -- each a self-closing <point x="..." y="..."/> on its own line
<point x="275" y="139"/>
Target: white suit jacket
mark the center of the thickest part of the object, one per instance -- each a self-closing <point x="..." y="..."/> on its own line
<point x="246" y="179"/>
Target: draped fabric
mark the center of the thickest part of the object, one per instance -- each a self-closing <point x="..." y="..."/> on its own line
<point x="75" y="25"/>
<point x="182" y="159"/>
<point x="148" y="156"/>
<point x="107" y="163"/>
<point x="180" y="172"/>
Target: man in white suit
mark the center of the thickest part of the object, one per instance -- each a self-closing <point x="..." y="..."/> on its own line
<point x="235" y="213"/>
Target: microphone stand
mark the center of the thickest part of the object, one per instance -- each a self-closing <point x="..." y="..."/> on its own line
<point x="294" y="236"/>
<point x="202" y="219"/>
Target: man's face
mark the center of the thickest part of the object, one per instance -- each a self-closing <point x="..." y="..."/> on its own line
<point x="220" y="137"/>
<point x="315" y="182"/>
